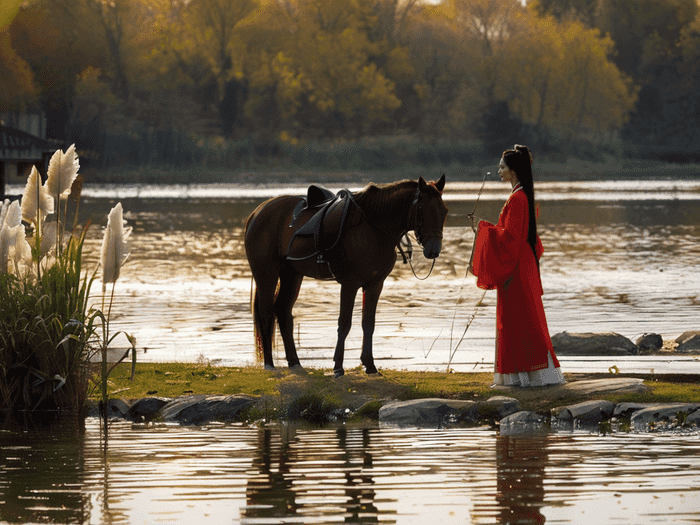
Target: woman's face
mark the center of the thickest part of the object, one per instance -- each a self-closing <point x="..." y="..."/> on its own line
<point x="507" y="175"/>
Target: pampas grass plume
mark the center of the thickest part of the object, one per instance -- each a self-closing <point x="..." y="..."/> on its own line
<point x="63" y="169"/>
<point x="114" y="246"/>
<point x="35" y="200"/>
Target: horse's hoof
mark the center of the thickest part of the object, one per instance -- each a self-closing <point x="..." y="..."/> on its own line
<point x="338" y="373"/>
<point x="374" y="372"/>
<point x="298" y="369"/>
<point x="270" y="368"/>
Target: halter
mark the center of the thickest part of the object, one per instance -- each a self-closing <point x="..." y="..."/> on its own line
<point x="415" y="223"/>
<point x="415" y="220"/>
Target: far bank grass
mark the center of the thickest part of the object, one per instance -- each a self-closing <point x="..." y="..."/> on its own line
<point x="563" y="170"/>
<point x="356" y="388"/>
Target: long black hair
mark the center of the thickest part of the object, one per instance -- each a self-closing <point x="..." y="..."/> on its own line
<point x="519" y="160"/>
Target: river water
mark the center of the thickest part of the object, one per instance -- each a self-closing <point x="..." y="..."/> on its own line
<point x="68" y="473"/>
<point x="619" y="256"/>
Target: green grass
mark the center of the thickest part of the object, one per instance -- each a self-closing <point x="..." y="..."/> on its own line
<point x="315" y="391"/>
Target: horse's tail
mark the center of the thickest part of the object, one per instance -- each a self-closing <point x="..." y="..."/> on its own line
<point x="257" y="335"/>
<point x="257" y="332"/>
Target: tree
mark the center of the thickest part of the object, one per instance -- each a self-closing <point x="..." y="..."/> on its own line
<point x="57" y="40"/>
<point x="494" y="25"/>
<point x="16" y="80"/>
<point x="560" y="76"/>
<point x="325" y="76"/>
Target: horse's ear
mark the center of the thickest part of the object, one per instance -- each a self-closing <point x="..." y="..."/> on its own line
<point x="421" y="183"/>
<point x="440" y="185"/>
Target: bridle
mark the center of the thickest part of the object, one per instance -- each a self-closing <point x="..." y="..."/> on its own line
<point x="415" y="223"/>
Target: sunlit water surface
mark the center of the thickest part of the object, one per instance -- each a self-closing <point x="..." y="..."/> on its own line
<point x="620" y="256"/>
<point x="236" y="474"/>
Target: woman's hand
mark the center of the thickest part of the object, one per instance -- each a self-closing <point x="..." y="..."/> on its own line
<point x="475" y="223"/>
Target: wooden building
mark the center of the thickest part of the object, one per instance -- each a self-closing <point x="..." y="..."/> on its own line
<point x="23" y="144"/>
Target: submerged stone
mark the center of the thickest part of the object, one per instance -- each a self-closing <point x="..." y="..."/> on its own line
<point x="667" y="413"/>
<point x="146" y="409"/>
<point x="586" y="414"/>
<point x="423" y="412"/>
<point x="523" y="422"/>
<point x="649" y="342"/>
<point x="202" y="409"/>
<point x="607" y="343"/>
<point x="688" y="343"/>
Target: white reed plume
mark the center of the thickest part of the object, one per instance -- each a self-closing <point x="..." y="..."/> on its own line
<point x="22" y="257"/>
<point x="36" y="203"/>
<point x="4" y="207"/>
<point x="6" y="238"/>
<point x="63" y="169"/>
<point x="48" y="238"/>
<point x="114" y="246"/>
<point x="12" y="215"/>
<point x="10" y="225"/>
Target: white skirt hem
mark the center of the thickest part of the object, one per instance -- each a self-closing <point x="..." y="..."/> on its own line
<point x="543" y="377"/>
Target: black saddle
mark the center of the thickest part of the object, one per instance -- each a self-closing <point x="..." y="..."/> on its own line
<point x="316" y="197"/>
<point x="322" y="203"/>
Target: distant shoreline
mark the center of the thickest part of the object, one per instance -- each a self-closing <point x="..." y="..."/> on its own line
<point x="572" y="170"/>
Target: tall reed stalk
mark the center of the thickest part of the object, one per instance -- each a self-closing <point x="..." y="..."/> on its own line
<point x="49" y="331"/>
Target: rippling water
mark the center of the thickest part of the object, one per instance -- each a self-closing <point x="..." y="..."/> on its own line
<point x="619" y="256"/>
<point x="235" y="474"/>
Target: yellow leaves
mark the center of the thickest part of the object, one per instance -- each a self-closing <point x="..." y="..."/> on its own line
<point x="8" y="11"/>
<point x="560" y="76"/>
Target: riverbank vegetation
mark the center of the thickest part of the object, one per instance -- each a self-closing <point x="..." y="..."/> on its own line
<point x="379" y="159"/>
<point x="50" y="330"/>
<point x="310" y="84"/>
<point x="284" y="388"/>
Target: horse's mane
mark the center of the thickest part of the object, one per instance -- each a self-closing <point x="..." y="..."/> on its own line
<point x="377" y="197"/>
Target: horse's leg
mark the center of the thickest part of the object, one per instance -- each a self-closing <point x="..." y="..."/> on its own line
<point x="290" y="282"/>
<point x="264" y="319"/>
<point x="369" y="312"/>
<point x="347" y="303"/>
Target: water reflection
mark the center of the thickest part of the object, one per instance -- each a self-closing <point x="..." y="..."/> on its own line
<point x="42" y="471"/>
<point x="520" y="474"/>
<point x="68" y="473"/>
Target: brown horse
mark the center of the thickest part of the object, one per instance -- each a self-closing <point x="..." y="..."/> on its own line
<point x="355" y="245"/>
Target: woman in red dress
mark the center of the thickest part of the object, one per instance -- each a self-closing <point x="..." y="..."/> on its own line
<point x="506" y="258"/>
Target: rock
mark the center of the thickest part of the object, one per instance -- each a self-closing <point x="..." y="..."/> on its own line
<point x="116" y="408"/>
<point x="649" y="343"/>
<point x="146" y="409"/>
<point x="626" y="410"/>
<point x="608" y="343"/>
<point x="586" y="414"/>
<point x="617" y="385"/>
<point x="202" y="409"/>
<point x="493" y="409"/>
<point x="688" y="343"/>
<point x="423" y="412"/>
<point x="661" y="413"/>
<point x="523" y="422"/>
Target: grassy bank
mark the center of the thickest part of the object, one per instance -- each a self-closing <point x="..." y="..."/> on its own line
<point x="288" y="392"/>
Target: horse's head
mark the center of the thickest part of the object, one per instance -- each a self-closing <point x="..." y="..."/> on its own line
<point x="427" y="216"/>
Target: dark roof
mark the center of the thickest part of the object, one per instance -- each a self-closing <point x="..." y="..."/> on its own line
<point x="16" y="144"/>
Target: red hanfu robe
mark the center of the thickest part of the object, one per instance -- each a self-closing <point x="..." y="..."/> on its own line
<point x="503" y="260"/>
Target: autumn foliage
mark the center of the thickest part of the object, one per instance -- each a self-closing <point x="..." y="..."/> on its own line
<point x="308" y="69"/>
